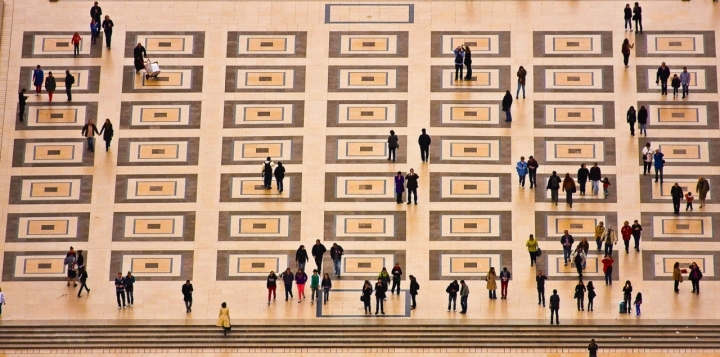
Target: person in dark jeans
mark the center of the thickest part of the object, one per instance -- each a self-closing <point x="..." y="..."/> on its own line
<point x="532" y="166"/>
<point x="120" y="290"/>
<point x="414" y="287"/>
<point x="452" y="291"/>
<point x="396" y="275"/>
<point x="459" y="60"/>
<point x="637" y="16"/>
<point x="187" y="290"/>
<point x="411" y="180"/>
<point x="288" y="277"/>
<point x="583" y="174"/>
<point x="677" y="194"/>
<point x="393" y="144"/>
<point x="107" y="26"/>
<point x="627" y="295"/>
<point x="380" y="289"/>
<point x="464" y="292"/>
<point x="129" y="282"/>
<point x="83" y="281"/>
<point x="318" y="251"/>
<point x="468" y="62"/>
<point x="22" y="98"/>
<point x="608" y="268"/>
<point x="336" y="252"/>
<point x="659" y="164"/>
<point x="424" y="142"/>
<point x="399" y="187"/>
<point x="592" y="348"/>
<point x="663" y="74"/>
<point x="540" y="280"/>
<point x="554" y="307"/>
<point x="567" y="241"/>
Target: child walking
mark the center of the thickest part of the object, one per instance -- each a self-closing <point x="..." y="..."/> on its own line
<point x="606" y="186"/>
<point x="689" y="198"/>
<point x="675" y="84"/>
<point x="326" y="285"/>
<point x="638" y="302"/>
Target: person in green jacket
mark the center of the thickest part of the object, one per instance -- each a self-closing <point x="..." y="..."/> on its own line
<point x="314" y="284"/>
<point x="384" y="276"/>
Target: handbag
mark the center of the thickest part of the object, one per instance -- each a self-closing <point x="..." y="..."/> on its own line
<point x="538" y="252"/>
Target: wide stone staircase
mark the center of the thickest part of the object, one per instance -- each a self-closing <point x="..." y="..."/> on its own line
<point x="386" y="335"/>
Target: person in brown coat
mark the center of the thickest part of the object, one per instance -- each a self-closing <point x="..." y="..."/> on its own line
<point x="569" y="187"/>
<point x="521" y="74"/>
<point x="702" y="188"/>
<point x="491" y="284"/>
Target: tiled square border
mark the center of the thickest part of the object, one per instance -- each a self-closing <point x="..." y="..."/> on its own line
<point x="608" y="154"/>
<point x="332" y="149"/>
<point x="401" y="77"/>
<point x="91" y="110"/>
<point x="8" y="272"/>
<point x="231" y="79"/>
<point x="712" y="143"/>
<point x="331" y="180"/>
<point x="436" y="230"/>
<point x="126" y="113"/>
<point x="294" y="229"/>
<point x="401" y="113"/>
<point x="223" y="257"/>
<point x="608" y="85"/>
<point x="399" y="222"/>
<point x="196" y="80"/>
<point x="605" y="39"/>
<point x="647" y="183"/>
<point x="708" y="40"/>
<point x="436" y="187"/>
<point x="118" y="232"/>
<point x="228" y="148"/>
<point x="409" y="20"/>
<point x="124" y="152"/>
<point x="86" y="182"/>
<point x="436" y="43"/>
<point x="186" y="270"/>
<point x="295" y="184"/>
<point x="298" y="113"/>
<point x="336" y="43"/>
<point x="19" y="148"/>
<point x="648" y="232"/>
<point x="435" y="264"/>
<point x="608" y="108"/>
<point x="13" y="226"/>
<point x="436" y="153"/>
<point x="436" y="79"/>
<point x="121" y="187"/>
<point x="649" y="265"/>
<point x="28" y="39"/>
<point x="198" y="50"/>
<point x="436" y="113"/>
<point x="542" y="180"/>
<point x="59" y="74"/>
<point x="300" y="44"/>
<point x="643" y="80"/>
<point x="542" y="264"/>
<point x="542" y="234"/>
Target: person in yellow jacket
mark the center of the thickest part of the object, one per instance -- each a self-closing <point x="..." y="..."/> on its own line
<point x="599" y="230"/>
<point x="224" y="319"/>
<point x="532" y="246"/>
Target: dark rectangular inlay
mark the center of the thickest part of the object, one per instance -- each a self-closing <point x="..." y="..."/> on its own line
<point x="259" y="225"/>
<point x="365" y="225"/>
<point x="675" y="43"/>
<point x="158" y="151"/>
<point x="53" y="152"/>
<point x="367" y="113"/>
<point x="365" y="187"/>
<point x="572" y="44"/>
<point x="470" y="150"/>
<point x="368" y="79"/>
<point x="44" y="266"/>
<point x="366" y="148"/>
<point x="56" y="115"/>
<point x="67" y="44"/>
<point x="682" y="226"/>
<point x="262" y="150"/>
<point x="472" y="79"/>
<point x="164" y="44"/>
<point x="679" y="151"/>
<point x="364" y="265"/>
<point x="259" y="187"/>
<point x="163" y="79"/>
<point x="471" y="44"/>
<point x="155" y="188"/>
<point x="573" y="114"/>
<point x="160" y="115"/>
<point x="470" y="114"/>
<point x="574" y="151"/>
<point x="265" y="79"/>
<point x="47" y="227"/>
<point x="267" y="44"/>
<point x="263" y="114"/>
<point x="51" y="189"/>
<point x="677" y="115"/>
<point x="470" y="225"/>
<point x="577" y="225"/>
<point x="369" y="44"/>
<point x="152" y="265"/>
<point x="573" y="79"/>
<point x="470" y="187"/>
<point x="469" y="265"/>
<point x="258" y="265"/>
<point x="153" y="226"/>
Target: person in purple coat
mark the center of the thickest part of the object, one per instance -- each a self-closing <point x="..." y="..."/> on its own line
<point x="399" y="186"/>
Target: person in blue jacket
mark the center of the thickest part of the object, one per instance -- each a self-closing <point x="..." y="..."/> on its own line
<point x="659" y="164"/>
<point x="522" y="170"/>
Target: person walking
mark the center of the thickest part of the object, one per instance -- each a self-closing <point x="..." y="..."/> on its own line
<point x="120" y="290"/>
<point x="580" y="295"/>
<point x="506" y="105"/>
<point x="662" y="76"/>
<point x="452" y="291"/>
<point x="385" y="277"/>
<point x="702" y="188"/>
<point x="631" y="119"/>
<point x="695" y="276"/>
<point x="83" y="276"/>
<point x="532" y="246"/>
<point x="554" y="186"/>
<point x="96" y="12"/>
<point x="659" y="164"/>
<point x="636" y="232"/>
<point x="627" y="295"/>
<point x="593" y="347"/>
<point x="224" y="319"/>
<point x="314" y="286"/>
<point x="393" y="143"/>
<point x="318" y="250"/>
<point x="396" y="276"/>
<point x="288" y="277"/>
<point x="637" y="17"/>
<point x="568" y="188"/>
<point x="139" y="55"/>
<point x="107" y="132"/>
<point x="647" y="155"/>
<point x="279" y="176"/>
<point x="583" y="174"/>
<point x="130" y="288"/>
<point x="608" y="268"/>
<point x="22" y="99"/>
<point x="599" y="230"/>
<point x="301" y="257"/>
<point x="585" y="246"/>
<point x="414" y="287"/>
<point x="627" y="12"/>
<point x="94" y="31"/>
<point x="532" y="166"/>
<point x="522" y="168"/>
<point x="504" y="280"/>
<point x="459" y="60"/>
<point x="689" y="200"/>
<point x="38" y="78"/>
<point x="677" y="194"/>
<point x="326" y="285"/>
<point x="336" y="253"/>
<point x="595" y="177"/>
<point x="626" y="232"/>
<point x="685" y="81"/>
<point x="266" y="172"/>
<point x="50" y="86"/>
<point x="464" y="292"/>
<point x="367" y="291"/>
<point x="69" y="81"/>
<point x="107" y="26"/>
<point x="468" y="63"/>
<point x="271" y="285"/>
<point x="555" y="307"/>
<point x="424" y="141"/>
<point x="521" y="74"/>
<point x="610" y="239"/>
<point x="637" y="303"/>
<point x="399" y="187"/>
<point x="76" y="39"/>
<point x="642" y="120"/>
<point x="626" y="47"/>
<point x="566" y="241"/>
<point x="187" y="291"/>
<point x="380" y="289"/>
<point x="300" y="280"/>
<point x="677" y="277"/>
<point x="540" y="280"/>
<point x="591" y="295"/>
<point x="491" y="284"/>
<point x="2" y="300"/>
<point x="675" y="84"/>
<point x="578" y="259"/>
<point x="411" y="180"/>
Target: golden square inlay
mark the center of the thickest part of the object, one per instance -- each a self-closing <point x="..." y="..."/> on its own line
<point x="259" y="225"/>
<point x="675" y="43"/>
<point x="574" y="115"/>
<point x="475" y="43"/>
<point x="470" y="225"/>
<point x="165" y="79"/>
<point x="477" y="150"/>
<point x="261" y="151"/>
<point x="151" y="265"/>
<point x="364" y="225"/>
<point x="260" y="79"/>
<point x="153" y="226"/>
<point x="367" y="113"/>
<point x="53" y="116"/>
<point x="370" y="265"/>
<point x="156" y="188"/>
<point x="365" y="187"/>
<point x="264" y="114"/>
<point x="56" y="44"/>
<point x="575" y="151"/>
<point x="369" y="44"/>
<point x="574" y="78"/>
<point x="267" y="44"/>
<point x="368" y="78"/>
<point x="257" y="264"/>
<point x="683" y="226"/>
<point x="165" y="44"/>
<point x="51" y="189"/>
<point x="470" y="265"/>
<point x="48" y="227"/>
<point x="44" y="266"/>
<point x="573" y="43"/>
<point x="160" y="115"/>
<point x="158" y="151"/>
<point x="470" y="187"/>
<point x="470" y="113"/>
<point x="576" y="225"/>
<point x="679" y="151"/>
<point x="365" y="148"/>
<point x="53" y="152"/>
<point x="675" y="115"/>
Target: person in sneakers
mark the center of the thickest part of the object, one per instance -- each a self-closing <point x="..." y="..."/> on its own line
<point x="120" y="290"/>
<point x="300" y="280"/>
<point x="288" y="277"/>
<point x="271" y="286"/>
<point x="396" y="276"/>
<point x="314" y="285"/>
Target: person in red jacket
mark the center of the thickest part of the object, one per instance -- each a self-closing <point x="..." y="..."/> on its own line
<point x="626" y="232"/>
<point x="607" y="268"/>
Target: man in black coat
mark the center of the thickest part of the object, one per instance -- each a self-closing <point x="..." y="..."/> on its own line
<point x="424" y="142"/>
<point x="567" y="241"/>
<point x="506" y="104"/>
<point x="583" y="174"/>
<point x="677" y="194"/>
<point x="22" y="98"/>
<point x="336" y="253"/>
<point x="554" y="186"/>
<point x="187" y="290"/>
<point x="69" y="81"/>
<point x="96" y="12"/>
<point x="318" y="251"/>
<point x="663" y="73"/>
<point x="412" y="184"/>
<point x="595" y="177"/>
<point x="554" y="307"/>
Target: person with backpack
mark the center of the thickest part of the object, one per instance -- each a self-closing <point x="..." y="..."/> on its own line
<point x="414" y="287"/>
<point x="464" y="292"/>
<point x="288" y="277"/>
<point x="326" y="285"/>
<point x="187" y="290"/>
<point x="554" y="186"/>
<point x="452" y="291"/>
<point x="314" y="285"/>
<point x="366" y="296"/>
<point x="336" y="253"/>
<point x="638" y="302"/>
<point x="271" y="286"/>
<point x="267" y="172"/>
<point x="69" y="81"/>
<point x="540" y="280"/>
<point x="120" y="290"/>
<point x="129" y="288"/>
<point x="627" y="295"/>
<point x="83" y="281"/>
<point x="279" y="176"/>
<point x="580" y="295"/>
<point x="555" y="307"/>
<point x="396" y="276"/>
<point x="695" y="276"/>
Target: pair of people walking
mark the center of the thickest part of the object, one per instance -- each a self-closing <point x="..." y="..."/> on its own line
<point x="89" y="130"/>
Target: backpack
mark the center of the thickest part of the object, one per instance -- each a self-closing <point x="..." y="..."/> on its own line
<point x="268" y="167"/>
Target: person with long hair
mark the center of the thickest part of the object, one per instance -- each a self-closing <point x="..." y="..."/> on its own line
<point x="626" y="47"/>
<point x="677" y="277"/>
<point x="638" y="302"/>
<point x="367" y="291"/>
<point x="695" y="276"/>
<point x="591" y="295"/>
<point x="468" y="62"/>
<point x="76" y="39"/>
<point x="627" y="295"/>
<point x="326" y="285"/>
<point x="580" y="295"/>
<point x="107" y="132"/>
<point x="569" y="188"/>
<point x="224" y="319"/>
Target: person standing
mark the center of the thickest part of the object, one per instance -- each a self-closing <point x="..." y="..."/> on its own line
<point x="464" y="292"/>
<point x="702" y="188"/>
<point x="224" y="319"/>
<point x="267" y="172"/>
<point x="139" y="55"/>
<point x="491" y="277"/>
<point x="38" y="79"/>
<point x="636" y="232"/>
<point x="452" y="291"/>
<point x="380" y="289"/>
<point x="627" y="295"/>
<point x="595" y="177"/>
<point x="187" y="290"/>
<point x="459" y="60"/>
<point x="521" y="74"/>
<point x="685" y="81"/>
<point x="626" y="47"/>
<point x="591" y="295"/>
<point x="414" y="287"/>
<point x="627" y="11"/>
<point x="271" y="286"/>
<point x="593" y="347"/>
<point x="399" y="187"/>
<point x="96" y="12"/>
<point x="540" y="280"/>
<point x="532" y="166"/>
<point x="71" y="263"/>
<point x="659" y="164"/>
<point x="610" y="239"/>
<point x="107" y="132"/>
<point x="301" y="257"/>
<point x="130" y="288"/>
<point x="647" y="154"/>
<point x="279" y="176"/>
<point x="637" y="303"/>
<point x="677" y="194"/>
<point x="120" y="290"/>
<point x="94" y="30"/>
<point x="76" y="39"/>
<point x="69" y="81"/>
<point x="2" y="300"/>
<point x="555" y="307"/>
<point x="675" y="84"/>
<point x="396" y="276"/>
<point x="366" y="296"/>
<point x="532" y="246"/>
<point x="580" y="295"/>
<point x="385" y="277"/>
<point x="411" y="180"/>
<point x="554" y="186"/>
<point x="107" y="26"/>
<point x="468" y="63"/>
<point x="393" y="144"/>
<point x="288" y="277"/>
<point x="83" y="276"/>
<point x="663" y="74"/>
<point x="314" y="285"/>
<point x="637" y="16"/>
<point x="599" y="230"/>
<point x="677" y="277"/>
<point x="642" y="120"/>
<point x="568" y="188"/>
<point x="326" y="285"/>
<point x="608" y="268"/>
<point x="50" y="86"/>
<point x="22" y="99"/>
<point x="318" y="251"/>
<point x="631" y="119"/>
<point x="521" y="167"/>
<point x="695" y="276"/>
<point x="504" y="280"/>
<point x="336" y="253"/>
<point x="506" y="105"/>
<point x="300" y="280"/>
<point x="424" y="141"/>
<point x="566" y="241"/>
<point x="583" y="174"/>
<point x="626" y="231"/>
